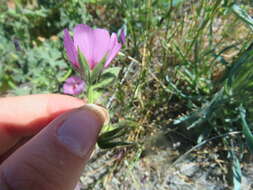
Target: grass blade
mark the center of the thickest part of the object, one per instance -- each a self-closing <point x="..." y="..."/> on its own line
<point x="243" y="15"/>
<point x="236" y="171"/>
<point x="245" y="128"/>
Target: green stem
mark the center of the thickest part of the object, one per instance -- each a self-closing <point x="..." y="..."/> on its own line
<point x="90" y="93"/>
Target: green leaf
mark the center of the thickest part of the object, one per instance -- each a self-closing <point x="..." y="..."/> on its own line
<point x="96" y="95"/>
<point x="117" y="130"/>
<point x="85" y="68"/>
<point x="107" y="77"/>
<point x="93" y="95"/>
<point x="243" y="15"/>
<point x="236" y="171"/>
<point x="113" y="70"/>
<point x="108" y="138"/>
<point x="205" y="113"/>
<point x="106" y="145"/>
<point x="64" y="77"/>
<point x="245" y="129"/>
<point x="115" y="133"/>
<point x="97" y="70"/>
<point x="172" y="3"/>
<point x="105" y="81"/>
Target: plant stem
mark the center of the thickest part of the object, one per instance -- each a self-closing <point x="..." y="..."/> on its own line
<point x="90" y="95"/>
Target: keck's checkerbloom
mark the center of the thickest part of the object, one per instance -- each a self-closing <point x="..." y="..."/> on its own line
<point x="94" y="44"/>
<point x="73" y="85"/>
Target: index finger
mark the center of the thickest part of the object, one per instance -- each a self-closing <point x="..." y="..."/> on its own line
<point x="25" y="115"/>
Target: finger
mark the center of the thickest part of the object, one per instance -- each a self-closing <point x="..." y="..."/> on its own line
<point x="29" y="113"/>
<point x="55" y="157"/>
<point x="26" y="115"/>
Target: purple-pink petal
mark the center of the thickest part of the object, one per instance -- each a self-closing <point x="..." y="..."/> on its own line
<point x="70" y="49"/>
<point x="113" y="41"/>
<point x="94" y="44"/>
<point x="73" y="85"/>
<point x="84" y="40"/>
<point x="123" y="35"/>
<point x="114" y="50"/>
<point x="102" y="42"/>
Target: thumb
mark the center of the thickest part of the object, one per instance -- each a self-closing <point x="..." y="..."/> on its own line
<point x="55" y="157"/>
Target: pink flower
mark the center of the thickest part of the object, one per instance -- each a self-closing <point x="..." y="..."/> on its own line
<point x="122" y="35"/>
<point x="95" y="44"/>
<point x="73" y="85"/>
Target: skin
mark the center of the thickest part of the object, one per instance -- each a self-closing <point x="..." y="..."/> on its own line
<point x="31" y="154"/>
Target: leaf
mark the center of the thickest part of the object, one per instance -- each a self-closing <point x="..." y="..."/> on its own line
<point x="115" y="133"/>
<point x="243" y="15"/>
<point x="167" y="3"/>
<point x="64" y="77"/>
<point x="84" y="68"/>
<point x="106" y="145"/>
<point x="245" y="129"/>
<point x="107" y="139"/>
<point x="205" y="113"/>
<point x="117" y="130"/>
<point x="113" y="70"/>
<point x="105" y="81"/>
<point x="177" y="2"/>
<point x="111" y="132"/>
<point x="93" y="95"/>
<point x="96" y="95"/>
<point x="237" y="173"/>
<point x="107" y="78"/>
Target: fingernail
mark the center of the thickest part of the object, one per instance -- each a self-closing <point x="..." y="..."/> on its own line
<point x="79" y="131"/>
<point x="101" y="112"/>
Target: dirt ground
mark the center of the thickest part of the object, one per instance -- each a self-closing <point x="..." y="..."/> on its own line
<point x="164" y="168"/>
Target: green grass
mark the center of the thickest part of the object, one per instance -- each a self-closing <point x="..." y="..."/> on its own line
<point x="186" y="69"/>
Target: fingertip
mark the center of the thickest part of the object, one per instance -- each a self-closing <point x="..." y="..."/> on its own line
<point x="23" y="116"/>
<point x="28" y="114"/>
<point x="56" y="102"/>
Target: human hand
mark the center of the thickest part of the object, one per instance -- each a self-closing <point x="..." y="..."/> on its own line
<point x="62" y="141"/>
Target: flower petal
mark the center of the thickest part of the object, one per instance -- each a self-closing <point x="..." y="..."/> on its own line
<point x="123" y="35"/>
<point x="101" y="44"/>
<point x="113" y="41"/>
<point x="84" y="40"/>
<point x="70" y="49"/>
<point x="73" y="85"/>
<point x="114" y="49"/>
